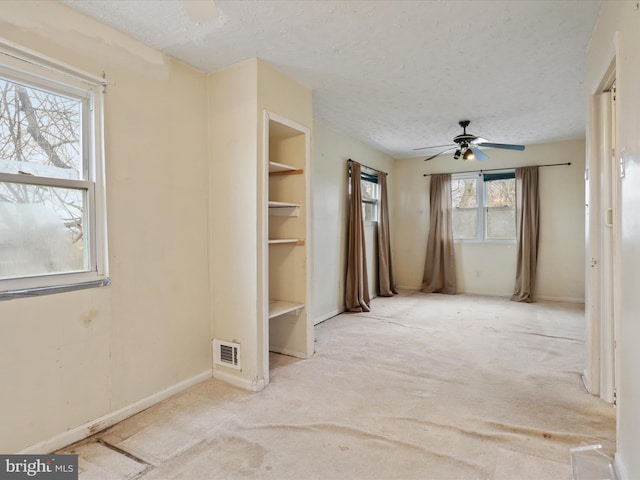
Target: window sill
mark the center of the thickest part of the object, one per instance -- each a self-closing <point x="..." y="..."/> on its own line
<point x="493" y="241"/>
<point x="40" y="291"/>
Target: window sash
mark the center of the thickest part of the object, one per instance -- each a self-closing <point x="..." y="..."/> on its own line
<point x="45" y="181"/>
<point x="512" y="212"/>
<point x="477" y="209"/>
<point x="30" y="68"/>
<point x="370" y="203"/>
<point x="482" y="233"/>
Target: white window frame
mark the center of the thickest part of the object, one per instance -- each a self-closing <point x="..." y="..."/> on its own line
<point x="481" y="209"/>
<point x="371" y="200"/>
<point x="25" y="65"/>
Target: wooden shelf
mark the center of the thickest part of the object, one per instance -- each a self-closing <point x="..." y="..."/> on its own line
<point x="274" y="204"/>
<point x="293" y="241"/>
<point x="288" y="328"/>
<point x="282" y="169"/>
<point x="284" y="209"/>
<point x="278" y="307"/>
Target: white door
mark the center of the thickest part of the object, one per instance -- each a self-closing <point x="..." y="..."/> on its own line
<point x="603" y="234"/>
<point x="607" y="212"/>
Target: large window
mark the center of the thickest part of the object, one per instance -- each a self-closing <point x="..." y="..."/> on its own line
<point x="52" y="223"/>
<point x="483" y="206"/>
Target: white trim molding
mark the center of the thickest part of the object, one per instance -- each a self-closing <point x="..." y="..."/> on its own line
<point x="255" y="385"/>
<point x="94" y="426"/>
<point x="329" y="315"/>
<point x="619" y="468"/>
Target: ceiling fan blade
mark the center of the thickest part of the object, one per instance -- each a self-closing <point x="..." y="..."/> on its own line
<point x="435" y="146"/>
<point x="438" y="154"/>
<point x="506" y="146"/>
<point x="479" y="154"/>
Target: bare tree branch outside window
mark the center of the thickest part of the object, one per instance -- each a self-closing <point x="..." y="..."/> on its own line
<point x="40" y="135"/>
<point x="491" y="202"/>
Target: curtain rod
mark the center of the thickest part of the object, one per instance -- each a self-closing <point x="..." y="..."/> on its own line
<point x="505" y="168"/>
<point x="349" y="161"/>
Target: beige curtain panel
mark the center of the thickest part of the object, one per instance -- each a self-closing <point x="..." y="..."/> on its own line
<point x="385" y="268"/>
<point x="357" y="286"/>
<point x="440" y="265"/>
<point x="527" y="225"/>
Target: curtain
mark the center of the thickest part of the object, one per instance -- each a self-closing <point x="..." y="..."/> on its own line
<point x="440" y="266"/>
<point x="356" y="288"/>
<point x="386" y="283"/>
<point x="527" y="234"/>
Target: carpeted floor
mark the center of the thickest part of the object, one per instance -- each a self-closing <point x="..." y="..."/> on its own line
<point x="422" y="387"/>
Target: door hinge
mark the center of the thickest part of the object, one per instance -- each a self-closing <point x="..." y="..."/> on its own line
<point x="615" y="397"/>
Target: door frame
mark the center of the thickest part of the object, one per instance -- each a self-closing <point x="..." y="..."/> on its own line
<point x="602" y="212"/>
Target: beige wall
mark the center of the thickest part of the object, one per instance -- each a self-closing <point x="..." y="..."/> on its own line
<point x="238" y="96"/>
<point x="233" y="132"/>
<point x="489" y="268"/>
<point x="71" y="358"/>
<point x="331" y="150"/>
<point x="617" y="35"/>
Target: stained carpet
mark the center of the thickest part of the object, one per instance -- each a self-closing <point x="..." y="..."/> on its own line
<point x="422" y="387"/>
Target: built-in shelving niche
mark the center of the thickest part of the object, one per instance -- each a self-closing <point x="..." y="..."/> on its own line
<point x="289" y="328"/>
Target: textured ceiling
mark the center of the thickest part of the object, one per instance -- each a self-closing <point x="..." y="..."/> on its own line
<point x="395" y="75"/>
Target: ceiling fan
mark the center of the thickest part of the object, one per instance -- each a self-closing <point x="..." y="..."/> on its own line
<point x="468" y="145"/>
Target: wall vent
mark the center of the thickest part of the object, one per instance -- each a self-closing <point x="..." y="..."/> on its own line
<point x="226" y="353"/>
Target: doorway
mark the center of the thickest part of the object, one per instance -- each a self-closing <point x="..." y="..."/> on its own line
<point x="603" y="233"/>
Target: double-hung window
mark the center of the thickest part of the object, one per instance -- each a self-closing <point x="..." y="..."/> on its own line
<point x="370" y="196"/>
<point x="483" y="206"/>
<point x="52" y="196"/>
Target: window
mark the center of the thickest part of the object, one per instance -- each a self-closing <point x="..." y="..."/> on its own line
<point x="483" y="206"/>
<point x="370" y="195"/>
<point x="52" y="221"/>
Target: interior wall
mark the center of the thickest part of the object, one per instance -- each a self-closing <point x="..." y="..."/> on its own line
<point x="280" y="95"/>
<point x="331" y="150"/>
<point x="617" y="35"/>
<point x="71" y="358"/>
<point x="238" y="96"/>
<point x="234" y="199"/>
<point x="489" y="268"/>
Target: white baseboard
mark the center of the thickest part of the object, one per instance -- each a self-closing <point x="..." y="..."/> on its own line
<point x="619" y="468"/>
<point x="485" y="294"/>
<point x="585" y="381"/>
<point x="254" y="385"/>
<point x="329" y="315"/>
<point x="461" y="292"/>
<point x="288" y="352"/>
<point x="94" y="426"/>
<point x="545" y="298"/>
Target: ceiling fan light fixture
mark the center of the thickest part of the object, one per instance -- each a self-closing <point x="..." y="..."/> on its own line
<point x="468" y="155"/>
<point x="468" y="146"/>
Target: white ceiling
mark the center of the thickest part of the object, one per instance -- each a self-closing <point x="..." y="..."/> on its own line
<point x="396" y="74"/>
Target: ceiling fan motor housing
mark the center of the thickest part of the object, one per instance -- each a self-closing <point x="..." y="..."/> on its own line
<point x="464" y="140"/>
